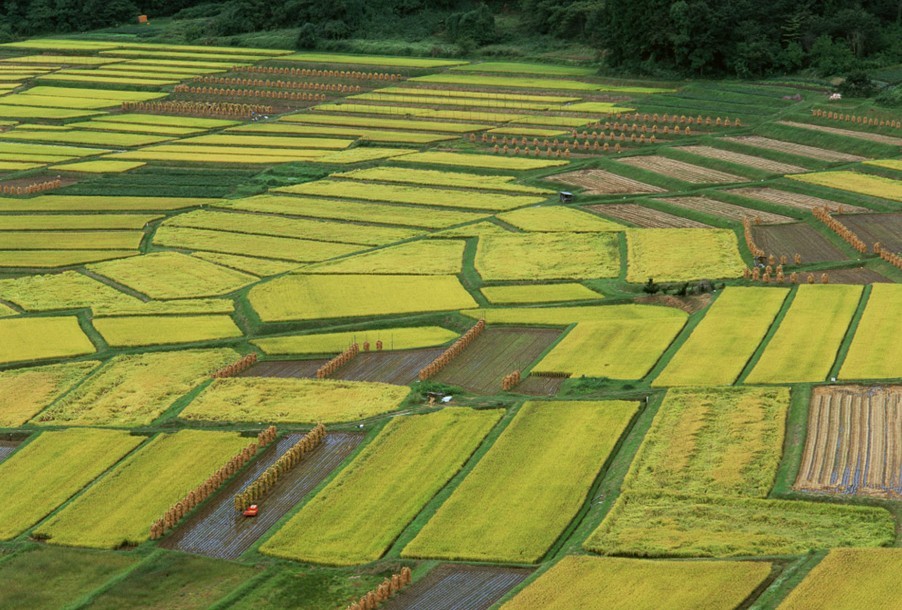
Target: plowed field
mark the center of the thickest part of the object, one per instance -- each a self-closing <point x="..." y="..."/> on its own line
<point x="790" y="239"/>
<point x="399" y="367"/>
<point x="687" y="172"/>
<point x="647" y="218"/>
<point x="284" y="368"/>
<point x="726" y="210"/>
<point x="761" y="163"/>
<point x="883" y="228"/>
<point x="601" y="182"/>
<point x="812" y="152"/>
<point x="794" y="200"/>
<point x="458" y="587"/>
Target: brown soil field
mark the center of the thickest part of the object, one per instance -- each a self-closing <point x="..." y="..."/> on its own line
<point x="601" y="182"/>
<point x="794" y="200"/>
<point x="768" y="165"/>
<point x="537" y="385"/>
<point x="7" y="448"/>
<point x="689" y="304"/>
<point x="812" y="152"/>
<point x="646" y="218"/>
<point x="858" y="275"/>
<point x="400" y="367"/>
<point x="495" y="353"/>
<point x="458" y="587"/>
<point x="216" y="529"/>
<point x="871" y="228"/>
<point x="850" y="133"/>
<point x="854" y="443"/>
<point x="800" y="238"/>
<point x="726" y="210"/>
<point x="687" y="172"/>
<point x="284" y="368"/>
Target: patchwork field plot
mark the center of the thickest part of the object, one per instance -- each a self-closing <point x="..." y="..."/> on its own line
<point x="649" y="218"/>
<point x="791" y="356"/>
<point x="46" y="259"/>
<point x="25" y="392"/>
<point x="442" y="178"/>
<point x="617" y="349"/>
<point x="217" y="530"/>
<point x="875" y="352"/>
<point x="72" y="240"/>
<point x="79" y="203"/>
<point x="53" y="467"/>
<point x="794" y="148"/>
<point x="847" y="579"/>
<point x="558" y="219"/>
<point x="326" y="343"/>
<point x="284" y="369"/>
<point x="854" y="443"/>
<point x="793" y="200"/>
<point x="353" y="521"/>
<point x="680" y="170"/>
<point x="885" y="229"/>
<point x="66" y="290"/>
<point x="135" y="389"/>
<point x="135" y="331"/>
<point x="481" y="161"/>
<point x="435" y="257"/>
<point x="675" y="255"/>
<point x="146" y="485"/>
<point x="538" y="293"/>
<point x="458" y="587"/>
<point x="848" y="133"/>
<point x="865" y="184"/>
<point x="719" y="347"/>
<point x="308" y="297"/>
<point x="254" y="399"/>
<point x="796" y="238"/>
<point x="26" y="339"/>
<point x="528" y="487"/>
<point x="601" y="182"/>
<point x="400" y="367"/>
<point x="495" y="353"/>
<point x="856" y="275"/>
<point x="65" y="222"/>
<point x="713" y="207"/>
<point x="774" y="167"/>
<point x="548" y="256"/>
<point x="599" y="583"/>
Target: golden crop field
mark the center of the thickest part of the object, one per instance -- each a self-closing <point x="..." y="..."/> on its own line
<point x="25" y="392"/>
<point x="353" y="520"/>
<point x="677" y="255"/>
<point x="539" y="293"/>
<point x="170" y="275"/>
<point x="361" y="154"/>
<point x="442" y="101"/>
<point x="876" y="352"/>
<point x="509" y="82"/>
<point x="555" y="218"/>
<point x="375" y="60"/>
<point x="442" y="178"/>
<point x="564" y="316"/>
<point x="132" y="390"/>
<point x="171" y="121"/>
<point x="299" y="228"/>
<point x="527" y="488"/>
<point x="849" y="579"/>
<point x="44" y="259"/>
<point x="382" y="123"/>
<point x="137" y="331"/>
<point x="423" y="257"/>
<point x="226" y="242"/>
<point x="671" y="525"/>
<point x="293" y="401"/>
<point x="616" y="349"/>
<point x="720" y="346"/>
<point x="355" y="211"/>
<point x="26" y="339"/>
<point x="81" y="203"/>
<point x="311" y="297"/>
<point x="611" y="583"/>
<point x="333" y="343"/>
<point x="171" y="308"/>
<point x="259" y="267"/>
<point x="72" y="240"/>
<point x="51" y="468"/>
<point x="866" y="184"/>
<point x="66" y="290"/>
<point x="268" y="141"/>
<point x="712" y="442"/>
<point x="121" y="507"/>
<point x="895" y="164"/>
<point x="85" y="137"/>
<point x="375" y="135"/>
<point x="63" y="222"/>
<point x="808" y="339"/>
<point x="548" y="256"/>
<point x="412" y="195"/>
<point x="481" y="161"/>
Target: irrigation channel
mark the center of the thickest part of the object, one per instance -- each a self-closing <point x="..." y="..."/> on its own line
<point x="218" y="530"/>
<point x="458" y="587"/>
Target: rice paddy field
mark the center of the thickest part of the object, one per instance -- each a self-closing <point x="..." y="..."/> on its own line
<point x="585" y="340"/>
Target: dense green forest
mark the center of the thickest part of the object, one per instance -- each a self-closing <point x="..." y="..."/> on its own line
<point x="744" y="38"/>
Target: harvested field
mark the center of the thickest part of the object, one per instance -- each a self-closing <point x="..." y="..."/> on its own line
<point x="872" y="228"/>
<point x="712" y="207"/>
<point x="789" y="239"/>
<point x="7" y="448"/>
<point x="792" y="148"/>
<point x="858" y="275"/>
<point x="494" y="354"/>
<point x="794" y="200"/>
<point x="601" y="182"/>
<point x="217" y="530"/>
<point x="774" y="167"/>
<point x="399" y="367"/>
<point x="854" y="443"/>
<point x="646" y="218"/>
<point x="284" y="368"/>
<point x="539" y="385"/>
<point x="680" y="170"/>
<point x="458" y="587"/>
<point x="849" y="133"/>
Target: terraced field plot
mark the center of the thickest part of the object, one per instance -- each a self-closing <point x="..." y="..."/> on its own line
<point x="885" y="229"/>
<point x="26" y="339"/>
<point x="854" y="443"/>
<point x="131" y="331"/>
<point x="323" y="343"/>
<point x="648" y="218"/>
<point x="796" y="238"/>
<point x="548" y="256"/>
<point x="25" y="392"/>
<point x="601" y="182"/>
<point x="217" y="530"/>
<point x="713" y="207"/>
<point x="558" y="219"/>
<point x="687" y="172"/>
<point x="794" y="148"/>
<point x="458" y="587"/>
<point x="865" y="184"/>
<point x="875" y="352"/>
<point x="848" y="133"/>
<point x="398" y="367"/>
<point x="674" y="255"/>
<point x="774" y="167"/>
<point x="793" y="200"/>
<point x="425" y="257"/>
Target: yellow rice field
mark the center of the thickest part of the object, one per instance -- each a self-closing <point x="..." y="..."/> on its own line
<point x="876" y="352"/>
<point x="875" y="186"/>
<point x="25" y="392"/>
<point x="548" y="256"/>
<point x="26" y="339"/>
<point x="135" y="331"/>
<point x="333" y="343"/>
